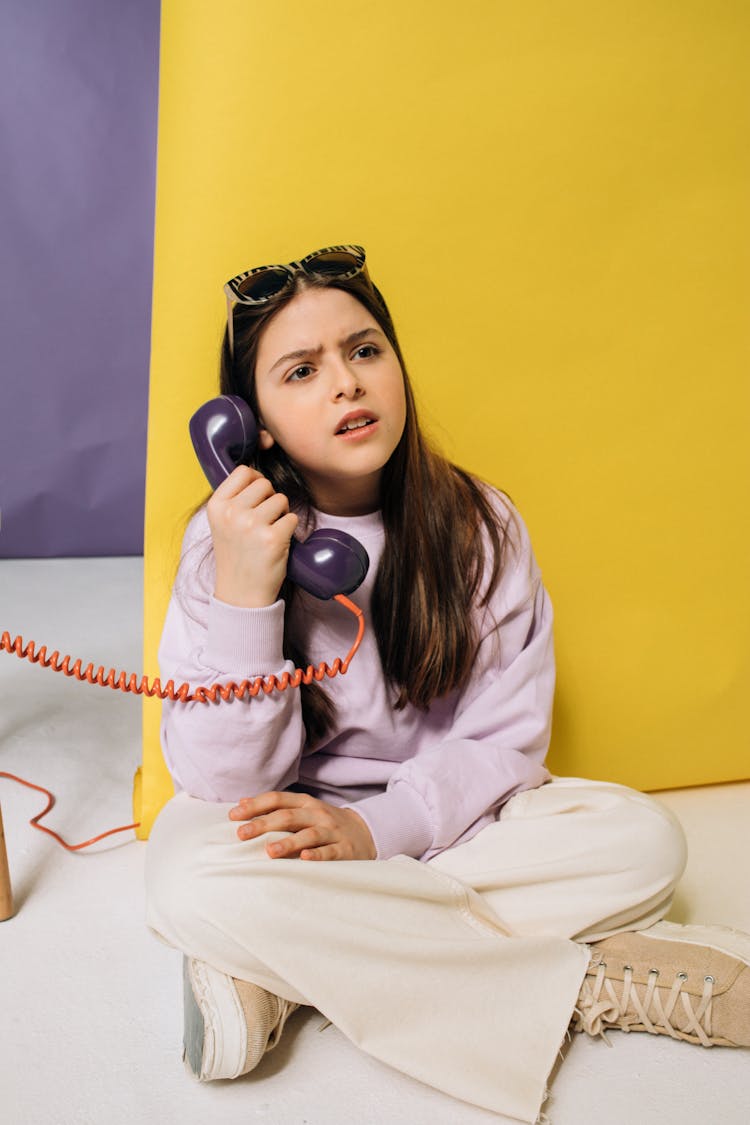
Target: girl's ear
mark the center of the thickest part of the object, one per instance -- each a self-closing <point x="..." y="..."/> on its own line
<point x="265" y="440"/>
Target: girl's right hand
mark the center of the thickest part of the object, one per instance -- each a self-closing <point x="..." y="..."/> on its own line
<point x="251" y="527"/>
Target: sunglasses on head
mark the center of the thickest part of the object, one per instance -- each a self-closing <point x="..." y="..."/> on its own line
<point x="255" y="287"/>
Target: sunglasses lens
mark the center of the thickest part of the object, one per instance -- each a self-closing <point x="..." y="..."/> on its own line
<point x="260" y="286"/>
<point x="270" y="280"/>
<point x="334" y="263"/>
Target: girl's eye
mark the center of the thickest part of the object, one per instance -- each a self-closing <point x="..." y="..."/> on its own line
<point x="368" y="347"/>
<point x="299" y="373"/>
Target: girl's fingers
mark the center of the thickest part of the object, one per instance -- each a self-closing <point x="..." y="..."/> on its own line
<point x="288" y="524"/>
<point x="274" y="509"/>
<point x="317" y="831"/>
<point x="291" y="818"/>
<point x="254" y="493"/>
<point x="249" y="807"/>
<point x="237" y="481"/>
<point x="273" y="505"/>
<point x="330" y="851"/>
<point x="259" y="491"/>
<point x="284" y="820"/>
<point x="247" y="489"/>
<point x="293" y="845"/>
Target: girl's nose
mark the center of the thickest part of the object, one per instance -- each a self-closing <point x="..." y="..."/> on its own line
<point x="345" y="382"/>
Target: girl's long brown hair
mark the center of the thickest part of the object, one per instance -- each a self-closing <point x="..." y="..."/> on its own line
<point x="434" y="514"/>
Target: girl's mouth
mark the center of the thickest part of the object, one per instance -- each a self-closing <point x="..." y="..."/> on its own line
<point x="356" y="429"/>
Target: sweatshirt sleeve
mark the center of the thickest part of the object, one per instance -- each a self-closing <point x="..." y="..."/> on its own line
<point x="500" y="731"/>
<point x="226" y="750"/>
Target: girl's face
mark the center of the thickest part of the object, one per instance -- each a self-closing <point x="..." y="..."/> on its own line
<point x="324" y="364"/>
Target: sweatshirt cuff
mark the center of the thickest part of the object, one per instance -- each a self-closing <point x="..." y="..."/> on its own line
<point x="245" y="642"/>
<point x="398" y="820"/>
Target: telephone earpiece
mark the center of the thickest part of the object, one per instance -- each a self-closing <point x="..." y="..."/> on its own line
<point x="224" y="434"/>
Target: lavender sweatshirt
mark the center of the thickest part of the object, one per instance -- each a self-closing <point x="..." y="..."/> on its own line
<point x="422" y="781"/>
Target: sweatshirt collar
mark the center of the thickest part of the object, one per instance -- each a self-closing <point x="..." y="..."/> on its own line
<point x="360" y="527"/>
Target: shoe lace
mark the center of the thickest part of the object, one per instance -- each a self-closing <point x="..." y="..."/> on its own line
<point x="648" y="1005"/>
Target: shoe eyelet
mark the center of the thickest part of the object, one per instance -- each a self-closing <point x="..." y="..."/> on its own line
<point x="653" y="972"/>
<point x="710" y="980"/>
<point x="627" y="968"/>
<point x="682" y="976"/>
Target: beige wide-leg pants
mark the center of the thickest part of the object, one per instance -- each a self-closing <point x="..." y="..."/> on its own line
<point x="462" y="972"/>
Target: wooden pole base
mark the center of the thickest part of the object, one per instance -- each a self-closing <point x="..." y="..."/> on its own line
<point x="6" y="893"/>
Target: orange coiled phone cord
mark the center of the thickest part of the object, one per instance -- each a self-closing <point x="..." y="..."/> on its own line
<point x="183" y="694"/>
<point x="122" y="682"/>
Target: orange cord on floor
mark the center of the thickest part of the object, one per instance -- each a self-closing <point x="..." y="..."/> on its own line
<point x="34" y="822"/>
<point x="183" y="694"/>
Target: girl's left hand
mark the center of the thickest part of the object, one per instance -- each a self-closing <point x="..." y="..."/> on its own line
<point x="318" y="830"/>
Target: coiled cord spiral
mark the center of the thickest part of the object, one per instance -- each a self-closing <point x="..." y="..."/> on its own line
<point x="121" y="681"/>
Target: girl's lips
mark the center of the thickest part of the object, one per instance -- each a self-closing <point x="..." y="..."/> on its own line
<point x="360" y="415"/>
<point x="359" y="433"/>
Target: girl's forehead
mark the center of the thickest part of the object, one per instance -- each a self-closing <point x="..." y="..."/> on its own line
<point x="313" y="318"/>
<point x="321" y="309"/>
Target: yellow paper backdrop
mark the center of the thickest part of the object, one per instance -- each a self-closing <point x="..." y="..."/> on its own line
<point x="553" y="199"/>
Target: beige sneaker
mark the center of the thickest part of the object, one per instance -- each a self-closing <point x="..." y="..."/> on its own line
<point x="690" y="982"/>
<point x="229" y="1024"/>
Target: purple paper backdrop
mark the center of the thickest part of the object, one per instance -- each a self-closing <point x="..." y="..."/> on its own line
<point x="78" y="111"/>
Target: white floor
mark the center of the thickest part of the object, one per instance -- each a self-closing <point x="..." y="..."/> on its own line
<point x="90" y="1017"/>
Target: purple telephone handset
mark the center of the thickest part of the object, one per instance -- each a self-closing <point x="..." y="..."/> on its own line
<point x="224" y="434"/>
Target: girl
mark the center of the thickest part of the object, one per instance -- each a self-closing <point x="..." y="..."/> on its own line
<point x="388" y="846"/>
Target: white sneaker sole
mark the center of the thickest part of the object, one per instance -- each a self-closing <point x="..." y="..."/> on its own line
<point x="215" y="1036"/>
<point x="721" y="938"/>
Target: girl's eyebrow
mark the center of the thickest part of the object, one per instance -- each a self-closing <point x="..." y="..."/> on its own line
<point x="303" y="353"/>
